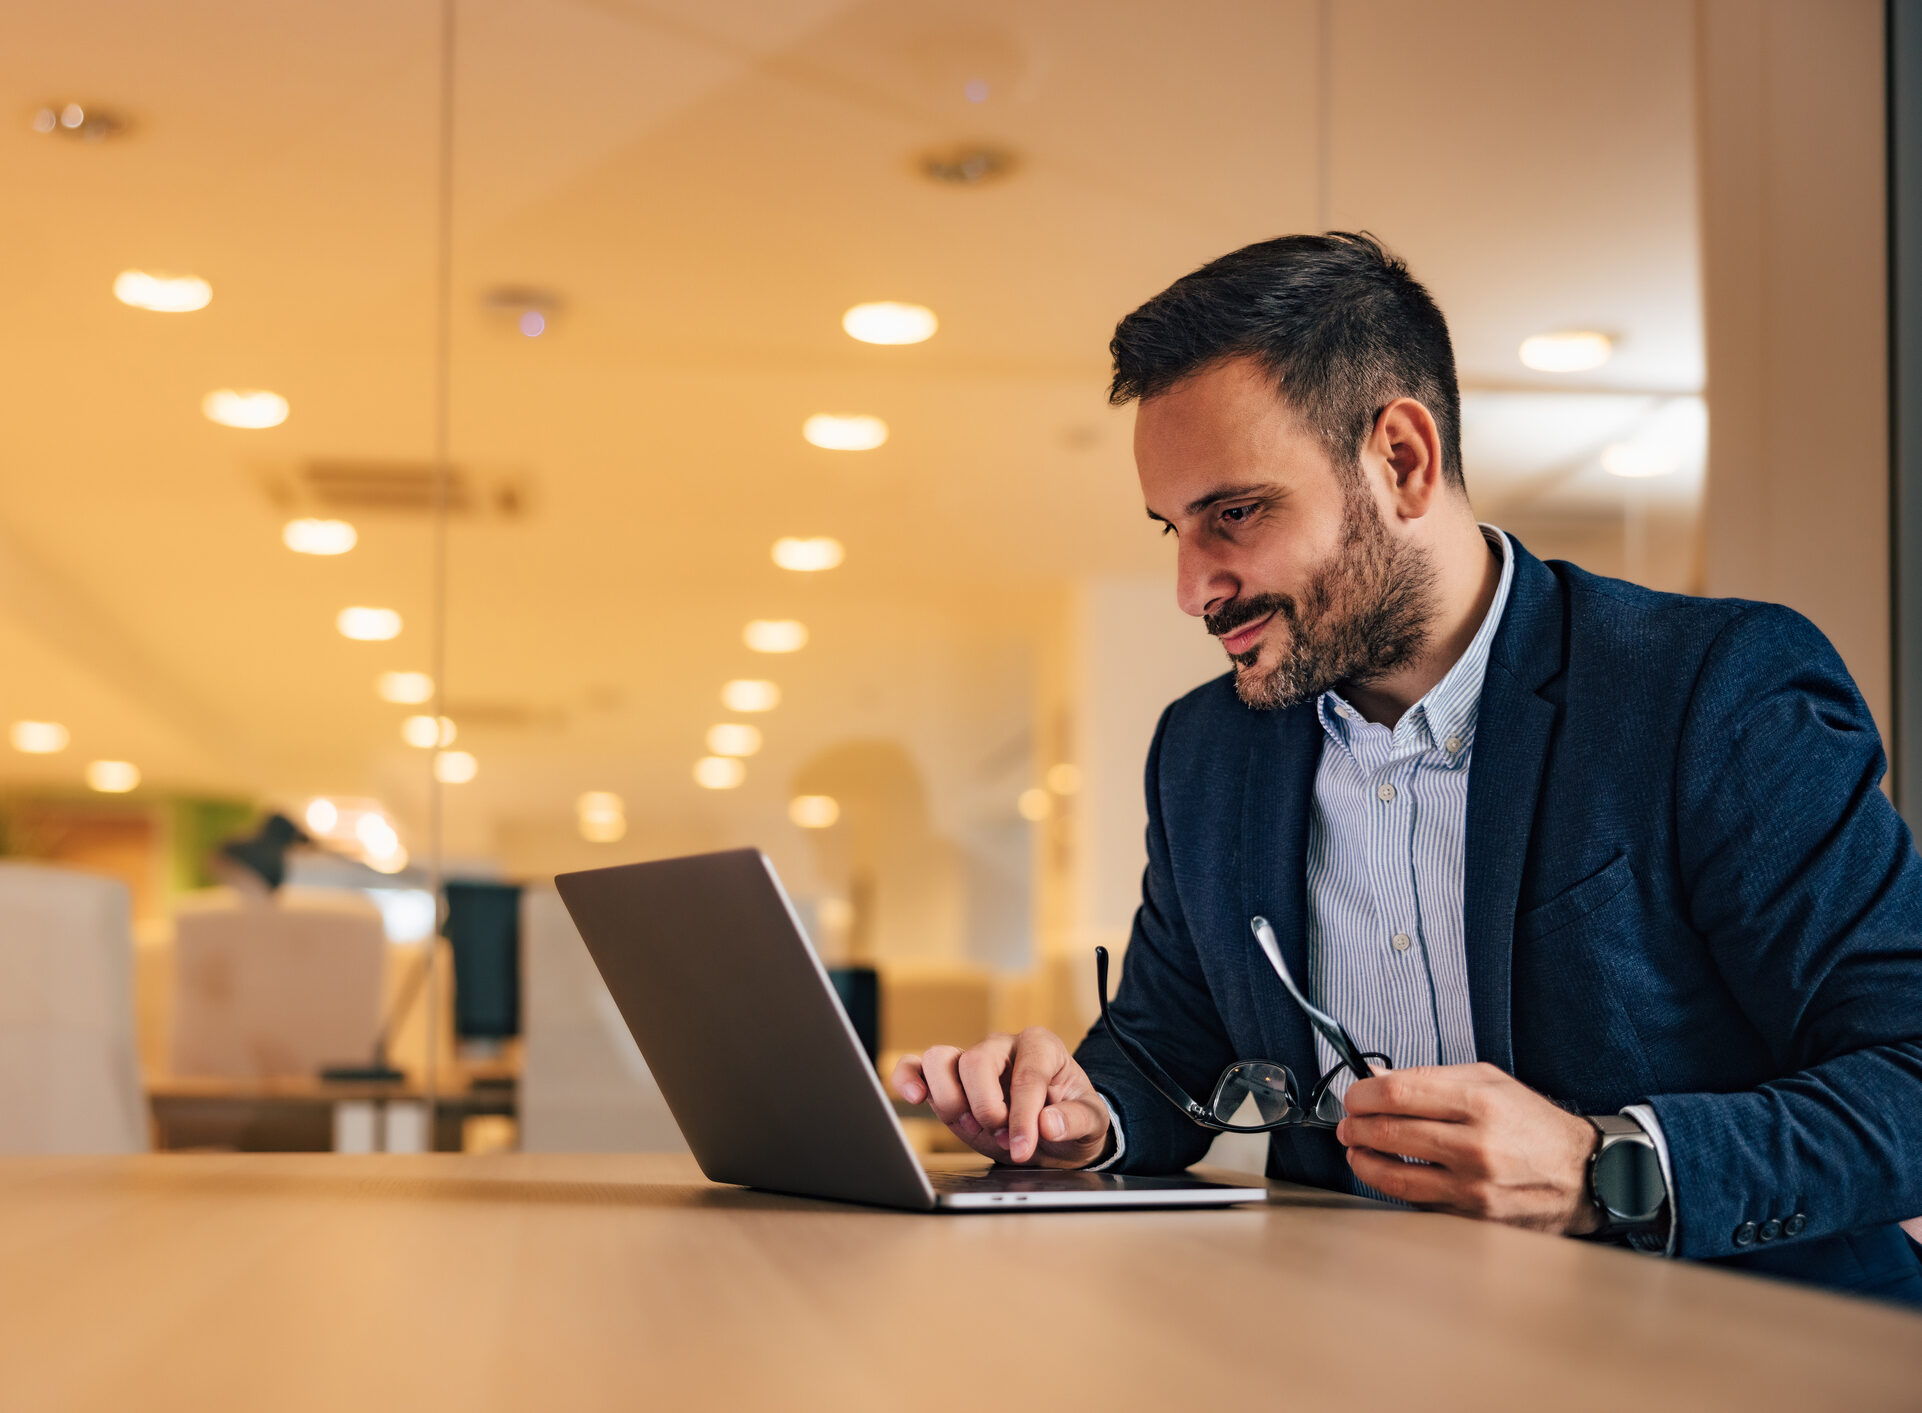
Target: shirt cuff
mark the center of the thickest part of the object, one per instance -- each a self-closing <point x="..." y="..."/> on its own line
<point x="1652" y="1126"/>
<point x="1121" y="1140"/>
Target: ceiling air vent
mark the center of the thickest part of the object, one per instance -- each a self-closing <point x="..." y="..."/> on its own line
<point x="348" y="486"/>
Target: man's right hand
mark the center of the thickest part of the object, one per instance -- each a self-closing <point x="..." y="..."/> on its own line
<point x="1018" y="1099"/>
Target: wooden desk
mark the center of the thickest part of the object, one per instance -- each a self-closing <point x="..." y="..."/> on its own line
<point x="297" y="1114"/>
<point x="626" y="1282"/>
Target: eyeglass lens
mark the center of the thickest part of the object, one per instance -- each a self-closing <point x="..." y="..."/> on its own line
<point x="1270" y="1087"/>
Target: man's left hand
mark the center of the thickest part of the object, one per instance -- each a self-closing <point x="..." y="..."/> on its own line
<point x="1490" y="1146"/>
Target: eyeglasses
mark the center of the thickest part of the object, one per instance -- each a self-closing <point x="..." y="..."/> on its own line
<point x="1271" y="1086"/>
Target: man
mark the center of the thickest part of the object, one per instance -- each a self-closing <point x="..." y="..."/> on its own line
<point x="1600" y="873"/>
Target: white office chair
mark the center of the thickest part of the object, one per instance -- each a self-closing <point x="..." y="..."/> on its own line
<point x="584" y="1086"/>
<point x="69" y="1072"/>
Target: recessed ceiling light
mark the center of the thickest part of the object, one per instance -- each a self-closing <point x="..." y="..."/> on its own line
<point x="807" y="556"/>
<point x="602" y="816"/>
<point x="845" y="431"/>
<point x="322" y="815"/>
<point x="718" y="772"/>
<point x="244" y="407"/>
<point x="318" y="536"/>
<point x="1035" y="805"/>
<point x="404" y="688"/>
<point x="888" y="322"/>
<point x="813" y="811"/>
<point x="376" y="834"/>
<point x="455" y="767"/>
<point x="1570" y="351"/>
<point x="368" y="625"/>
<point x="389" y="863"/>
<point x="775" y="635"/>
<point x="113" y="777"/>
<point x="1064" y="778"/>
<point x="418" y="731"/>
<point x="969" y="164"/>
<point x="733" y="739"/>
<point x="39" y="738"/>
<point x="1637" y="461"/>
<point x="74" y="120"/>
<point x="163" y="294"/>
<point x="750" y="694"/>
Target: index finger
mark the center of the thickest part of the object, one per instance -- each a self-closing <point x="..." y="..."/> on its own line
<point x="1037" y="1060"/>
<point x="908" y="1081"/>
<point x="1425" y="1092"/>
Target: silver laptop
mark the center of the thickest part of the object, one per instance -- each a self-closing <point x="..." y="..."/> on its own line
<point x="758" y="1062"/>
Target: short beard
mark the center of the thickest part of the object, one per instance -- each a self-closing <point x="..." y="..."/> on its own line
<point x="1364" y="614"/>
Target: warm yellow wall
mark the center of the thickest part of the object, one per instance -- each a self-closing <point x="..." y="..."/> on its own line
<point x="1791" y="113"/>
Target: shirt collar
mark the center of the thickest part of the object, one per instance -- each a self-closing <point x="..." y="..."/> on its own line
<point x="1444" y="719"/>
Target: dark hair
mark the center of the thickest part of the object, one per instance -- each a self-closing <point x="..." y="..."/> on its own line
<point x="1339" y="323"/>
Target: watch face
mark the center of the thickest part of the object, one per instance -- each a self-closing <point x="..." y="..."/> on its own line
<point x="1628" y="1181"/>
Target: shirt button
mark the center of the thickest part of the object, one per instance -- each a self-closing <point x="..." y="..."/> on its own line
<point x="1745" y="1234"/>
<point x="1454" y="743"/>
<point x="1403" y="941"/>
<point x="1384" y="792"/>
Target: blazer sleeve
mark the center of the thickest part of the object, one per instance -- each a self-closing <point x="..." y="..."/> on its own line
<point x="1163" y="1002"/>
<point x="1807" y="886"/>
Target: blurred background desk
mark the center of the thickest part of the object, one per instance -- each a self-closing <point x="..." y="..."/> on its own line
<point x="292" y="1114"/>
<point x="535" y="1280"/>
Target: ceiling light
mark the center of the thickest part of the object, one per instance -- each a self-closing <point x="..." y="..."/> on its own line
<point x="318" y="536"/>
<point x="1637" y="461"/>
<point x="775" y="635"/>
<point x="967" y="165"/>
<point x="602" y="816"/>
<point x="163" y="294"/>
<point x="113" y="777"/>
<point x="806" y="556"/>
<point x="404" y="688"/>
<point x="533" y="323"/>
<point x="71" y="120"/>
<point x="389" y="863"/>
<point x="322" y="816"/>
<point x="1064" y="779"/>
<point x="836" y="914"/>
<point x="888" y="322"/>
<point x="732" y="739"/>
<point x="39" y="738"/>
<point x="718" y="772"/>
<point x="455" y="767"/>
<point x="418" y="731"/>
<point x="1035" y="805"/>
<point x="368" y="625"/>
<point x="376" y="835"/>
<point x="813" y="811"/>
<point x="1571" y="351"/>
<point x="849" y="431"/>
<point x="750" y="694"/>
<point x="244" y="407"/>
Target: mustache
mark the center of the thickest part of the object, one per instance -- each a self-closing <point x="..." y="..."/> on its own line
<point x="1242" y="612"/>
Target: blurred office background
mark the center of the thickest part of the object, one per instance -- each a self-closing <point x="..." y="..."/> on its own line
<point x="701" y="556"/>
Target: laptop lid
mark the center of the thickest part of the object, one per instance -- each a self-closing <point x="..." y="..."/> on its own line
<point x="741" y="1028"/>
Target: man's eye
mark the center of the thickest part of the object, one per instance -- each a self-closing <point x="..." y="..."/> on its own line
<point x="1235" y="514"/>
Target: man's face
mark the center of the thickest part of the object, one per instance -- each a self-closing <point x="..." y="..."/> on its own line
<point x="1286" y="559"/>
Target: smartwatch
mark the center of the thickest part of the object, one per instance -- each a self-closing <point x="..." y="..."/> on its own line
<point x="1625" y="1177"/>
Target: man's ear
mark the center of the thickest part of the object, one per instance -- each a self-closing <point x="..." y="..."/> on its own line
<point x="1407" y="446"/>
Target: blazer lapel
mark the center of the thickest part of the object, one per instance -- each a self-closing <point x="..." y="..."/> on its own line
<point x="1513" y="729"/>
<point x="1283" y="754"/>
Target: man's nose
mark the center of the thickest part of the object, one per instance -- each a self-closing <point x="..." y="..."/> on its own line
<point x="1201" y="583"/>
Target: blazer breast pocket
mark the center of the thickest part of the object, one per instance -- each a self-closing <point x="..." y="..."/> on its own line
<point x="1575" y="902"/>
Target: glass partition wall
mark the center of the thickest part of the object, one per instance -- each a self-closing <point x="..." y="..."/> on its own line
<point x="780" y="504"/>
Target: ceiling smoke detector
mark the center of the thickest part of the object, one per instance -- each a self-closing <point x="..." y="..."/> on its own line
<point x="78" y="122"/>
<point x="966" y="164"/>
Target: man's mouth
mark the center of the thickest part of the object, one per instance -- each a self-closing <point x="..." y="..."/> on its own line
<point x="1244" y="638"/>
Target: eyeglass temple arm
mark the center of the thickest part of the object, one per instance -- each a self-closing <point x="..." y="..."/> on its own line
<point x="1330" y="1028"/>
<point x="1133" y="1052"/>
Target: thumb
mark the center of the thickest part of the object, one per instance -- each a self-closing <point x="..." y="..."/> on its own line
<point x="1074" y="1121"/>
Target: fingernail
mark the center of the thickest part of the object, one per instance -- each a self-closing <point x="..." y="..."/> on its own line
<point x="1001" y="1136"/>
<point x="1022" y="1148"/>
<point x="967" y="1125"/>
<point x="1054" y="1124"/>
<point x="913" y="1093"/>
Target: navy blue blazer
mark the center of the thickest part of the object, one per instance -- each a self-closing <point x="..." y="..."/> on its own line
<point x="1683" y="888"/>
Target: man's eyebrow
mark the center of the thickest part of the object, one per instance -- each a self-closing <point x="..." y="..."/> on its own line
<point x="1219" y="494"/>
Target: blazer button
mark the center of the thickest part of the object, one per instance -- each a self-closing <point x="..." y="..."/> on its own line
<point x="1745" y="1234"/>
<point x="1770" y="1230"/>
<point x="1793" y="1226"/>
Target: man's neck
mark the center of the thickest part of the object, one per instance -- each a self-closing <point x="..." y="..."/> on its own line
<point x="1468" y="570"/>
